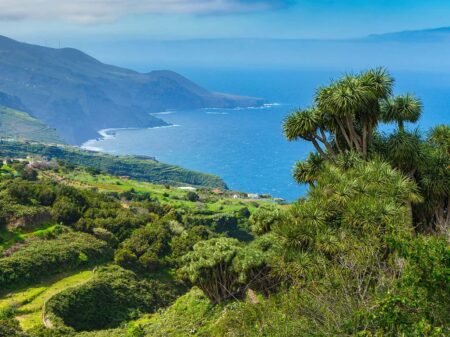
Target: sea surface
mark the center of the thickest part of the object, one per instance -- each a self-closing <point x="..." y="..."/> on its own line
<point x="245" y="146"/>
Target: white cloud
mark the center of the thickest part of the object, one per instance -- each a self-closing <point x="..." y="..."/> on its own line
<point x="95" y="11"/>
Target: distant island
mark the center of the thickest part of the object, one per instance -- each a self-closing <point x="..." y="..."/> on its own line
<point x="77" y="95"/>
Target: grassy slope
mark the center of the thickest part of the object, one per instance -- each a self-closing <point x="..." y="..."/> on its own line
<point x="140" y="169"/>
<point x="172" y="196"/>
<point x="190" y="315"/>
<point x="9" y="238"/>
<point x="193" y="307"/>
<point x="28" y="302"/>
<point x="20" y="125"/>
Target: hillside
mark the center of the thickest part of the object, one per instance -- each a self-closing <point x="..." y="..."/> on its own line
<point x="21" y="125"/>
<point x="79" y="95"/>
<point x="364" y="253"/>
<point x="131" y="166"/>
<point x="64" y="258"/>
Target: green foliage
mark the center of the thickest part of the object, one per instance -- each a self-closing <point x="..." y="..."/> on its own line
<point x="307" y="171"/>
<point x="140" y="169"/>
<point x="65" y="211"/>
<point x="350" y="264"/>
<point x="264" y="219"/>
<point x="210" y="267"/>
<point x="183" y="243"/>
<point x="227" y="224"/>
<point x="42" y="258"/>
<point x="244" y="213"/>
<point x="118" y="295"/>
<point x="403" y="108"/>
<point x="191" y="315"/>
<point x="192" y="196"/>
<point x="223" y="268"/>
<point x="419" y="303"/>
<point x="9" y="327"/>
<point x="145" y="249"/>
<point x="342" y="125"/>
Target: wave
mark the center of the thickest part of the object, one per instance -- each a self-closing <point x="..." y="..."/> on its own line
<point x="164" y="126"/>
<point x="110" y="133"/>
<point x="260" y="107"/>
<point x="269" y="105"/>
<point x="88" y="147"/>
<point x="162" y="113"/>
<point x="216" y="113"/>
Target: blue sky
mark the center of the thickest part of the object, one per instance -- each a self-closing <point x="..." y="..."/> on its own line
<point x="72" y="21"/>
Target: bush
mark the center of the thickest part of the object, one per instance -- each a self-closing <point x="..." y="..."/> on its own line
<point x="65" y="211"/>
<point x="192" y="196"/>
<point x="119" y="295"/>
<point x="145" y="249"/>
<point x="223" y="268"/>
<point x="244" y="213"/>
<point x="42" y="258"/>
<point x="264" y="219"/>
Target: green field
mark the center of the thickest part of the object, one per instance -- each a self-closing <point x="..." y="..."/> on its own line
<point x="27" y="304"/>
<point x="164" y="194"/>
<point x="9" y="238"/>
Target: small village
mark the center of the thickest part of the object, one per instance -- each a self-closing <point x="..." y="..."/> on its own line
<point x="237" y="195"/>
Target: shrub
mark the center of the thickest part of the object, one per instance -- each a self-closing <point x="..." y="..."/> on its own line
<point x="192" y="196"/>
<point x="42" y="258"/>
<point x="264" y="219"/>
<point x="244" y="213"/>
<point x="118" y="295"/>
<point x="65" y="211"/>
<point x="223" y="268"/>
<point x="145" y="249"/>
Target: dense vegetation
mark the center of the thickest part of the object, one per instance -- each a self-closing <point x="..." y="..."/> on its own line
<point x="118" y="295"/>
<point x="364" y="253"/>
<point x="134" y="167"/>
<point x="55" y="222"/>
<point x="40" y="258"/>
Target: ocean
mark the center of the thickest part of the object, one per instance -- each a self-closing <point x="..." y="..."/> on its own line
<point x="245" y="146"/>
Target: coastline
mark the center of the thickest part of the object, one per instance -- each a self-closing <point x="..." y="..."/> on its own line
<point x="110" y="133"/>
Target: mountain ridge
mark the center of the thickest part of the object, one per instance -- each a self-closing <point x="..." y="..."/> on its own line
<point x="79" y="95"/>
<point x="414" y="35"/>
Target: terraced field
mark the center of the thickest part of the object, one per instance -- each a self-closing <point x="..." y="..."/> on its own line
<point x="28" y="303"/>
<point x="164" y="194"/>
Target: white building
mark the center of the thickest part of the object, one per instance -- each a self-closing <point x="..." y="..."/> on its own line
<point x="187" y="188"/>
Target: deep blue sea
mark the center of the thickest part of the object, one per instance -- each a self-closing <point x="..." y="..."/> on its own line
<point x="246" y="146"/>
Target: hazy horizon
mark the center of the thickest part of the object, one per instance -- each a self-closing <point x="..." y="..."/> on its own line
<point x="425" y="50"/>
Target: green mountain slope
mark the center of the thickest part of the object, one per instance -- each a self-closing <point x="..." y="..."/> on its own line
<point x="20" y="125"/>
<point x="137" y="168"/>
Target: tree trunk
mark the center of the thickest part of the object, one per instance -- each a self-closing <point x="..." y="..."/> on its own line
<point x="344" y="133"/>
<point x="354" y="135"/>
<point x="324" y="140"/>
<point x="364" y="141"/>
<point x="336" y="141"/>
<point x="319" y="149"/>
